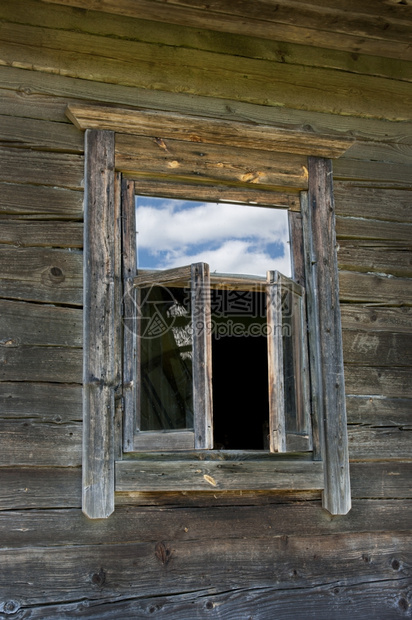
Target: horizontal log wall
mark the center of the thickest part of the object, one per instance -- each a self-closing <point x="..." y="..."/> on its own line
<point x="229" y="554"/>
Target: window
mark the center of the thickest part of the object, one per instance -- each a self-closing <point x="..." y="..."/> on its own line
<point x="118" y="165"/>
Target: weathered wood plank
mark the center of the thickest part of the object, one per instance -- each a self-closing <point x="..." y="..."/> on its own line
<point x="360" y="228"/>
<point x="99" y="366"/>
<point x="383" y="599"/>
<point x="40" y="487"/>
<point x="45" y="402"/>
<point x="131" y="375"/>
<point x="60" y="487"/>
<point x="26" y="11"/>
<point x="40" y="528"/>
<point x="368" y="443"/>
<point x="202" y="130"/>
<point x="381" y="480"/>
<point x="104" y="572"/>
<point x="369" y="202"/>
<point x="216" y="192"/>
<point x="39" y="363"/>
<point x="377" y="348"/>
<point x="41" y="168"/>
<point x="142" y="156"/>
<point x="36" y="324"/>
<point x="392" y="175"/>
<point x="376" y="289"/>
<point x="206" y="475"/>
<point x="322" y="270"/>
<point x="29" y="442"/>
<point x="37" y="274"/>
<point x="389" y="382"/>
<point x="85" y="56"/>
<point x="42" y="234"/>
<point x="357" y="317"/>
<point x="394" y="258"/>
<point x="39" y="134"/>
<point x="202" y="355"/>
<point x="322" y="27"/>
<point x="35" y="201"/>
<point x="379" y="412"/>
<point x="34" y="83"/>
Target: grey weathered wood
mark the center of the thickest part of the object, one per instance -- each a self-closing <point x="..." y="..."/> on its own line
<point x="44" y="234"/>
<point x="377" y="348"/>
<point x="201" y="130"/>
<point x="41" y="274"/>
<point x="378" y="381"/>
<point x="154" y="441"/>
<point x="362" y="316"/>
<point x="202" y="356"/>
<point x="297" y="255"/>
<point x="375" y="289"/>
<point x="38" y="202"/>
<point x="336" y="497"/>
<point x="143" y="156"/>
<point x="25" y="323"/>
<point x="367" y="443"/>
<point x="40" y="363"/>
<point x="99" y="372"/>
<point x="40" y="134"/>
<point x="130" y="322"/>
<point x="55" y="169"/>
<point x="362" y="33"/>
<point x="379" y="412"/>
<point x="373" y="203"/>
<point x="384" y="257"/>
<point x="216" y="192"/>
<point x="277" y="420"/>
<point x="313" y="329"/>
<point x="362" y="228"/>
<point x="217" y="475"/>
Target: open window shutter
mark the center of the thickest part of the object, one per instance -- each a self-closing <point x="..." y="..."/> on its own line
<point x="289" y="400"/>
<point x="168" y="360"/>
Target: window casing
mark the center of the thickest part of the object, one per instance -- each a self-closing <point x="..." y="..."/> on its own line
<point x="110" y="379"/>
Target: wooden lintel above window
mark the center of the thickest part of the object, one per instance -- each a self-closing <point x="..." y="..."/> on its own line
<point x="188" y="128"/>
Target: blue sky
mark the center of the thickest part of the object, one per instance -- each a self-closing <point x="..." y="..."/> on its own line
<point x="231" y="238"/>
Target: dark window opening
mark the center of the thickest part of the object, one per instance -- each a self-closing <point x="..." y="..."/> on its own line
<point x="240" y="372"/>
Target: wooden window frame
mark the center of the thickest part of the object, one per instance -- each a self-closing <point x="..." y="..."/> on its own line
<point x="112" y="139"/>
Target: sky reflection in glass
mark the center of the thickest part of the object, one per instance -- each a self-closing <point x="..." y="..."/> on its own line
<point x="231" y="238"/>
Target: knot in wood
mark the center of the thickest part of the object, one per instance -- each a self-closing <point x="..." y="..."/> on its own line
<point x="10" y="607"/>
<point x="99" y="579"/>
<point x="163" y="553"/>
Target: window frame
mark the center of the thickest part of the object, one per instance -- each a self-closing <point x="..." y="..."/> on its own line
<point x="106" y="392"/>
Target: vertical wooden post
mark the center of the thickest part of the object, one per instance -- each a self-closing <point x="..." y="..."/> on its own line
<point x="99" y="366"/>
<point x="202" y="356"/>
<point x="130" y="322"/>
<point x="277" y="421"/>
<point x="329" y="360"/>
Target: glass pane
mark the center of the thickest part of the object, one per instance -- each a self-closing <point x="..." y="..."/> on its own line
<point x="165" y="334"/>
<point x="231" y="238"/>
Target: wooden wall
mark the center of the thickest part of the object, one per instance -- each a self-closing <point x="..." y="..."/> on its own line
<point x="228" y="556"/>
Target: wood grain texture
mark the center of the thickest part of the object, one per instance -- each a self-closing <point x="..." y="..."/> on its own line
<point x="138" y="156"/>
<point x="339" y="29"/>
<point x="370" y="202"/>
<point x="202" y="130"/>
<point x="362" y="228"/>
<point x="99" y="369"/>
<point x="374" y="289"/>
<point x="385" y="257"/>
<point x="38" y="202"/>
<point x="29" y="84"/>
<point x="41" y="234"/>
<point x="39" y="274"/>
<point x="379" y="412"/>
<point x="39" y="363"/>
<point x="51" y="403"/>
<point x="363" y="317"/>
<point x="373" y="444"/>
<point x="25" y="323"/>
<point x="378" y="381"/>
<point x="324" y="274"/>
<point x="377" y="348"/>
<point x="259" y="81"/>
<point x="41" y="168"/>
<point x="100" y="573"/>
<point x="40" y="135"/>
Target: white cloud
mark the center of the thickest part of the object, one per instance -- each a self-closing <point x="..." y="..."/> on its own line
<point x="238" y="235"/>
